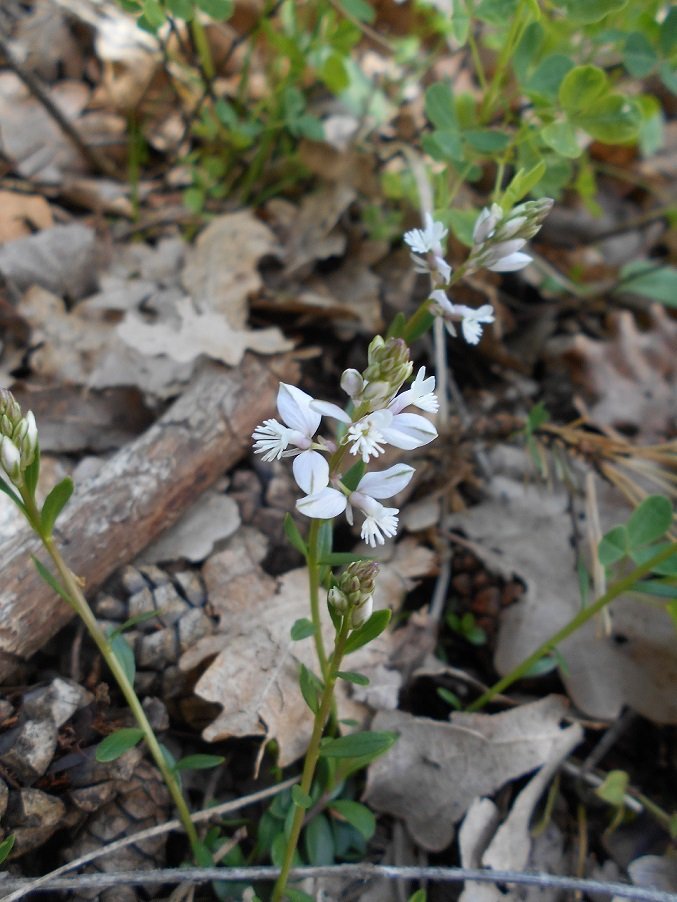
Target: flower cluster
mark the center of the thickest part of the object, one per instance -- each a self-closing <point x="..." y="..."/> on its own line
<point x="498" y="239"/>
<point x="354" y="592"/>
<point x="18" y="438"/>
<point x="378" y="415"/>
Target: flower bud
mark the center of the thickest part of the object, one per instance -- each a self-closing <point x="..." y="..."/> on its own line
<point x="338" y="600"/>
<point x="389" y="368"/>
<point x="30" y="442"/>
<point x="362" y="613"/>
<point x="358" y="580"/>
<point x="352" y="383"/>
<point x="486" y="223"/>
<point x="10" y="458"/>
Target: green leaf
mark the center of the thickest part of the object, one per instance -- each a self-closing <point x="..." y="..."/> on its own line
<point x="544" y="665"/>
<point x="614" y="119"/>
<point x="614" y="546"/>
<point x="444" y="144"/>
<point x="582" y="86"/>
<point x="6" y="847"/>
<point x="370" y="630"/>
<point x="293" y="535"/>
<point x="587" y="11"/>
<point x="439" y="106"/>
<point x="52" y="581"/>
<point x="650" y="521"/>
<point x="199" y="762"/>
<point x="301" y="629"/>
<point x="318" y="841"/>
<point x="300" y="798"/>
<point x="614" y="787"/>
<point x="297" y="895"/>
<point x="131" y="622"/>
<point x="181" y="9"/>
<point x="340" y="558"/>
<point x="642" y="277"/>
<point x="115" y="745"/>
<point x="32" y="473"/>
<point x="124" y="656"/>
<point x="496" y="12"/>
<point x="667" y="568"/>
<point x="216" y="9"/>
<point x="667" y="37"/>
<point x="545" y="81"/>
<point x="54" y="503"/>
<point x="9" y="491"/>
<point x="153" y="13"/>
<point x="351" y="677"/>
<point x="357" y="815"/>
<point x="639" y="57"/>
<point x="354" y="474"/>
<point x="359" y="9"/>
<point x="449" y="697"/>
<point x="333" y="73"/>
<point x="419" y="896"/>
<point x="367" y="744"/>
<point x="311" y="688"/>
<point x="462" y="223"/>
<point x="561" y="136"/>
<point x="486" y="140"/>
<point x="522" y="183"/>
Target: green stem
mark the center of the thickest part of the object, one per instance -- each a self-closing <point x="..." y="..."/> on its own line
<point x="314" y="591"/>
<point x="514" y="35"/>
<point x="618" y="588"/>
<point x="312" y="757"/>
<point x="83" y="610"/>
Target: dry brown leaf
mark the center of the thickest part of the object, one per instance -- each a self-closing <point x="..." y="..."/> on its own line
<point x="22" y="214"/>
<point x="526" y="533"/>
<point x="30" y="137"/>
<point x="221" y="271"/>
<point x="210" y="334"/>
<point x="632" y="377"/>
<point x="61" y="259"/>
<point x="255" y="675"/>
<point x="311" y="232"/>
<point x="435" y="769"/>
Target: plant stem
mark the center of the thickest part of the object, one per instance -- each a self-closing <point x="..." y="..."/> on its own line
<point x="618" y="588"/>
<point x="81" y="607"/>
<point x="312" y="756"/>
<point x="314" y="591"/>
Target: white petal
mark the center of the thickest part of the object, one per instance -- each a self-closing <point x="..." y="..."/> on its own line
<point x="472" y="331"/>
<point x="443" y="268"/>
<point x="409" y="431"/>
<point x="386" y="483"/>
<point x="294" y="407"/>
<point x="511" y="263"/>
<point x="311" y="472"/>
<point x="329" y="409"/>
<point x="323" y="505"/>
<point x="440" y="298"/>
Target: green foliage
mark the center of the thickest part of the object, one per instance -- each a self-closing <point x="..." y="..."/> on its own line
<point x="115" y="745"/>
<point x="648" y="523"/>
<point x="466" y="627"/>
<point x="311" y="688"/>
<point x="302" y="629"/>
<point x="370" y="630"/>
<point x="199" y="762"/>
<point x="124" y="655"/>
<point x="52" y="581"/>
<point x="6" y="847"/>
<point x="293" y="535"/>
<point x="367" y="746"/>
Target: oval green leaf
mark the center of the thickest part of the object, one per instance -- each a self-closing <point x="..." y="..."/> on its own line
<point x="199" y="762"/>
<point x="367" y="745"/>
<point x="115" y="745"/>
<point x="301" y="629"/>
<point x="613" y="546"/>
<point x="359" y="679"/>
<point x="370" y="630"/>
<point x="300" y="798"/>
<point x="650" y="521"/>
<point x="357" y="815"/>
<point x="318" y="841"/>
<point x="582" y="86"/>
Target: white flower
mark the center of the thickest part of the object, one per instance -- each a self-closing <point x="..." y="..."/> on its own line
<point x="486" y="223"/>
<point x="362" y="613"/>
<point x="389" y="426"/>
<point x="419" y="394"/>
<point x="380" y="522"/>
<point x="272" y="439"/>
<point x="511" y="262"/>
<point x="469" y="317"/>
<point x="504" y="256"/>
<point x="10" y="457"/>
<point x="430" y="238"/>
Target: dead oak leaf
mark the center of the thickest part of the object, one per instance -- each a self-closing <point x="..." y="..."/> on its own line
<point x="199" y="333"/>
<point x="435" y="769"/>
<point x="255" y="673"/>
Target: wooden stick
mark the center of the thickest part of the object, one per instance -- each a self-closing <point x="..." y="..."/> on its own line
<point x="137" y="494"/>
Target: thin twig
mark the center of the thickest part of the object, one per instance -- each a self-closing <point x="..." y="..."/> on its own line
<point x="197" y="817"/>
<point x="359" y="872"/>
<point x="93" y="157"/>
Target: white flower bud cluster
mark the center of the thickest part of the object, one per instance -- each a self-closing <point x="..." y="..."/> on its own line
<point x="354" y="592"/>
<point x="379" y="415"/>
<point x="18" y="438"/>
<point x="498" y="239"/>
